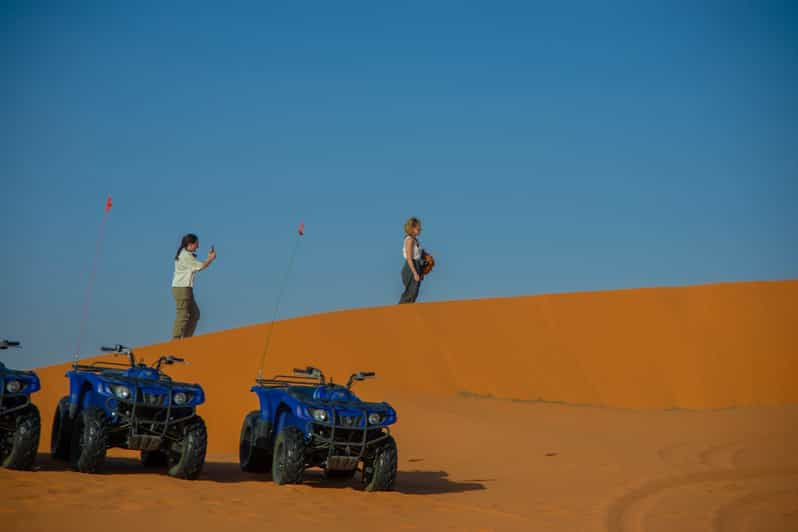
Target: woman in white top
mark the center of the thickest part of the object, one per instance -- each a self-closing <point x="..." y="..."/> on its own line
<point x="186" y="267"/>
<point x="411" y="270"/>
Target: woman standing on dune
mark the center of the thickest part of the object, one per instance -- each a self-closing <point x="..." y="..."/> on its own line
<point x="186" y="267"/>
<point x="412" y="270"/>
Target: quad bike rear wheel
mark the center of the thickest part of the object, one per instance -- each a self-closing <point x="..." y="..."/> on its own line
<point x="89" y="440"/>
<point x="61" y="436"/>
<point x="380" y="472"/>
<point x="288" y="464"/>
<point x="186" y="462"/>
<point x="18" y="448"/>
<point x="253" y="452"/>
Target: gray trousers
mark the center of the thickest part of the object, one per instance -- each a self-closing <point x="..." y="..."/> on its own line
<point x="411" y="285"/>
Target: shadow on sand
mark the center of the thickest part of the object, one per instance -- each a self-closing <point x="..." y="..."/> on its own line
<point x="407" y="482"/>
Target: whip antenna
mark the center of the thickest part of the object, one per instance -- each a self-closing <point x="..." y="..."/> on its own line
<point x="92" y="274"/>
<point x="300" y="234"/>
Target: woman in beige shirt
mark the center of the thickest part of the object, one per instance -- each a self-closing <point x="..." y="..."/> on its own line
<point x="186" y="267"/>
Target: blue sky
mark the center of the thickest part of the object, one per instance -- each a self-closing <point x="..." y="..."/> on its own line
<point x="547" y="149"/>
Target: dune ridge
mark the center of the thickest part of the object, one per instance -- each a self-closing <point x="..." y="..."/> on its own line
<point x="697" y="347"/>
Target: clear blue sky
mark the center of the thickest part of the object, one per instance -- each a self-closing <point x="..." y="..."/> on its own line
<point x="547" y="149"/>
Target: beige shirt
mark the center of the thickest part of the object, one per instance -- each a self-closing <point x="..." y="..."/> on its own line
<point x="186" y="266"/>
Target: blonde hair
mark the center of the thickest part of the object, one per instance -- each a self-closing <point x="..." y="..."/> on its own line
<point x="411" y="223"/>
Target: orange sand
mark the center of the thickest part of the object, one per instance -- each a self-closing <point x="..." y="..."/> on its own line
<point x="509" y="463"/>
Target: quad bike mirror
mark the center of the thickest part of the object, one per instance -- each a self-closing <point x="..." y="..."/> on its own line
<point x="5" y="344"/>
<point x="360" y="376"/>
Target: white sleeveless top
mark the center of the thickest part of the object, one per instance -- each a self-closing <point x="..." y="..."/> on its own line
<point x="416" y="249"/>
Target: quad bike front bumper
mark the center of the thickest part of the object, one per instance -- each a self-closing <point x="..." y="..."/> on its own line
<point x="12" y="402"/>
<point x="346" y="438"/>
<point x="147" y="425"/>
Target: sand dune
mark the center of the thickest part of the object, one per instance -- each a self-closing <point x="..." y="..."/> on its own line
<point x="482" y="447"/>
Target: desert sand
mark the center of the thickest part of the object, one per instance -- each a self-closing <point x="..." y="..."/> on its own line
<point x="651" y="409"/>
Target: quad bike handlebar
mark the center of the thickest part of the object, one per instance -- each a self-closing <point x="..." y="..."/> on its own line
<point x="360" y="376"/>
<point x="168" y="360"/>
<point x="5" y="344"/>
<point x="118" y="348"/>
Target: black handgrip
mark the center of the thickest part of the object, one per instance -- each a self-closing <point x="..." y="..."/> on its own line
<point x="301" y="370"/>
<point x="9" y="343"/>
<point x="178" y="359"/>
<point x="108" y="349"/>
<point x="368" y="373"/>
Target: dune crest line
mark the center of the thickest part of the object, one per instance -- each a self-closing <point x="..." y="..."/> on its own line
<point x="696" y="347"/>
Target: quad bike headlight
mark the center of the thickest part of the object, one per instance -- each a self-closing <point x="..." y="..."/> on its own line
<point x="180" y="398"/>
<point x="374" y="418"/>
<point x="13" y="386"/>
<point x="319" y="414"/>
<point x="121" y="391"/>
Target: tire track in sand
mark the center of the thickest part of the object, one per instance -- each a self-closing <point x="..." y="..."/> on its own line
<point x="759" y="511"/>
<point x="629" y="512"/>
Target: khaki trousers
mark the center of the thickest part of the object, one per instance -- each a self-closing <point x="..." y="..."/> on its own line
<point x="187" y="312"/>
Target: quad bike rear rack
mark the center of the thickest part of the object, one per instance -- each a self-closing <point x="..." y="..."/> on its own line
<point x="285" y="381"/>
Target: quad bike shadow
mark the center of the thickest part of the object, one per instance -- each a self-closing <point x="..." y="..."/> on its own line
<point x="407" y="482"/>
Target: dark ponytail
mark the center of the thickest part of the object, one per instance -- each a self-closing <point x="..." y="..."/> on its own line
<point x="187" y="239"/>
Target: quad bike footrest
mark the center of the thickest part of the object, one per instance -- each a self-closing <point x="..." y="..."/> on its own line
<point x="144" y="442"/>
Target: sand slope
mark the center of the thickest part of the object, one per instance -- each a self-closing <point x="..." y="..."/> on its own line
<point x="693" y="347"/>
<point x="628" y="462"/>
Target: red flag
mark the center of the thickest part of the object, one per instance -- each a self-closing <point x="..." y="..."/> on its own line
<point x="302" y="229"/>
<point x="108" y="204"/>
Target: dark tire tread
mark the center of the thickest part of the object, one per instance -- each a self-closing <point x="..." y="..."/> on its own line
<point x="24" y="440"/>
<point x="89" y="441"/>
<point x="384" y="466"/>
<point x="288" y="465"/>
<point x="252" y="455"/>
<point x="188" y="465"/>
<point x="61" y="435"/>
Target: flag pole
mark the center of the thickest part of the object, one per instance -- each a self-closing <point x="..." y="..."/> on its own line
<point x="92" y="275"/>
<point x="270" y="333"/>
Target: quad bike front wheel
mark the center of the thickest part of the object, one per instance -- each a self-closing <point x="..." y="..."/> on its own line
<point x="380" y="472"/>
<point x="18" y="448"/>
<point x="89" y="440"/>
<point x="253" y="452"/>
<point x="288" y="464"/>
<point x="187" y="460"/>
<point x="61" y="435"/>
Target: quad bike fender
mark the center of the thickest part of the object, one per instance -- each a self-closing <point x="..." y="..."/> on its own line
<point x="77" y="399"/>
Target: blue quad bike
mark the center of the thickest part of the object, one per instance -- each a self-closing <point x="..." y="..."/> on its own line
<point x="132" y="406"/>
<point x="305" y="421"/>
<point x="20" y="424"/>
